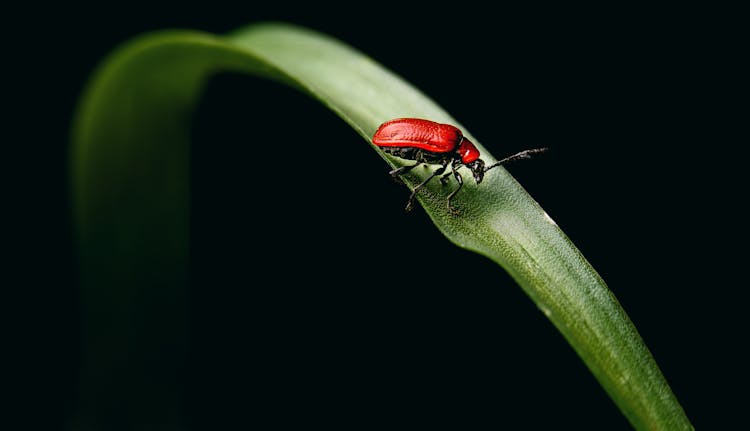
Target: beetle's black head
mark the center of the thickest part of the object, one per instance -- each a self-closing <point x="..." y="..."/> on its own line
<point x="477" y="168"/>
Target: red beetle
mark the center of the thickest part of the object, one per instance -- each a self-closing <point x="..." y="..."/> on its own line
<point x="438" y="144"/>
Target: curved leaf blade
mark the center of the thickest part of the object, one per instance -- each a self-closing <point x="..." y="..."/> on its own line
<point x="130" y="183"/>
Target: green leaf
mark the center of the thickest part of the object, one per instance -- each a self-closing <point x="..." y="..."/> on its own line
<point x="130" y="185"/>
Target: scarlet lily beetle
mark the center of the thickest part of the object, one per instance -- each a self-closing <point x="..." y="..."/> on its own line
<point x="433" y="143"/>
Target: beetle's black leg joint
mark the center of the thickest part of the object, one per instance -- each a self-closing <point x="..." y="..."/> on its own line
<point x="460" y="181"/>
<point x="444" y="178"/>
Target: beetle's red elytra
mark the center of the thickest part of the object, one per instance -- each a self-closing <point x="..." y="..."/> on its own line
<point x="428" y="142"/>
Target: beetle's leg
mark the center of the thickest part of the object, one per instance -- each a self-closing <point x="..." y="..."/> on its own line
<point x="456" y="164"/>
<point x="437" y="172"/>
<point x="444" y="178"/>
<point x="403" y="169"/>
<point x="460" y="181"/>
<point x="414" y="154"/>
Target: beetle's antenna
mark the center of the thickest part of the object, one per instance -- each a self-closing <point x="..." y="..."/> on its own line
<point x="526" y="154"/>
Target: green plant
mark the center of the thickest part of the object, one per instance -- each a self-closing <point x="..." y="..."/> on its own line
<point x="130" y="170"/>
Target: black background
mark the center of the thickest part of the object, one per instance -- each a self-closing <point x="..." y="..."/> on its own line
<point x="337" y="308"/>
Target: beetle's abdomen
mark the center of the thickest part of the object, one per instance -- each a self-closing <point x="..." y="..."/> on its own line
<point x="408" y="153"/>
<point x="411" y="153"/>
<point x="417" y="133"/>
